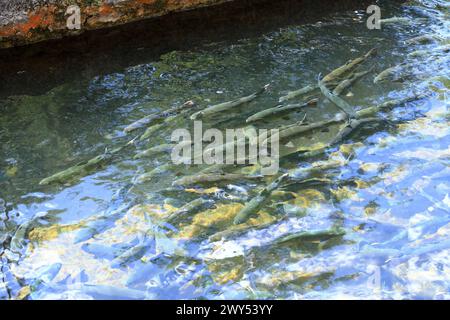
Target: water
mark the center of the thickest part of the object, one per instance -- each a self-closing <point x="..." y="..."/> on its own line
<point x="391" y="197"/>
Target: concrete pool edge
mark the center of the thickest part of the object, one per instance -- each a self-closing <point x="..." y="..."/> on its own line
<point x="25" y="22"/>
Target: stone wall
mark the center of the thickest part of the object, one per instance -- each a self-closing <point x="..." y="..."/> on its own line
<point x="29" y="21"/>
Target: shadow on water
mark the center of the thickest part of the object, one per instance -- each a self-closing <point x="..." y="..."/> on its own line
<point x="37" y="68"/>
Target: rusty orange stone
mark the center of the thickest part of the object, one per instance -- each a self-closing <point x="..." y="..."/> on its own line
<point x="49" y="21"/>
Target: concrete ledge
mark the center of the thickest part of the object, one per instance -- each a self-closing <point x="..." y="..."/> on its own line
<point x="29" y="21"/>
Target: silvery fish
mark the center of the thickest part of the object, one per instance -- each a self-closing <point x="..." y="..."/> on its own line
<point x="134" y="253"/>
<point x="228" y="105"/>
<point x="256" y="204"/>
<point x="280" y="109"/>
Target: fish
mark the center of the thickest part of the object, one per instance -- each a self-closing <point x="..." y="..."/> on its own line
<point x="349" y="66"/>
<point x="315" y="235"/>
<point x="390" y="73"/>
<point x="408" y="252"/>
<point x="341" y="103"/>
<point x="345" y="84"/>
<point x="412" y="69"/>
<point x="437" y="50"/>
<point x="213" y="178"/>
<point x="94" y="227"/>
<point x="390" y="104"/>
<point x="318" y="166"/>
<point x="46" y="274"/>
<point x="401" y="20"/>
<point x="346" y="130"/>
<point x="297" y="93"/>
<point x="152" y="174"/>
<point x="150" y="130"/>
<point x="306" y="183"/>
<point x="280" y="109"/>
<point x="86" y="167"/>
<point x="164" y="148"/>
<point x="241" y="229"/>
<point x="298" y="129"/>
<point x="190" y="209"/>
<point x="142" y="273"/>
<point x="18" y="240"/>
<point x="331" y="78"/>
<point x="158" y="116"/>
<point x="245" y="139"/>
<point x="256" y="203"/>
<point x="134" y="253"/>
<point x="423" y="39"/>
<point x="102" y="251"/>
<point x="143" y="122"/>
<point x="42" y="276"/>
<point x="228" y="105"/>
